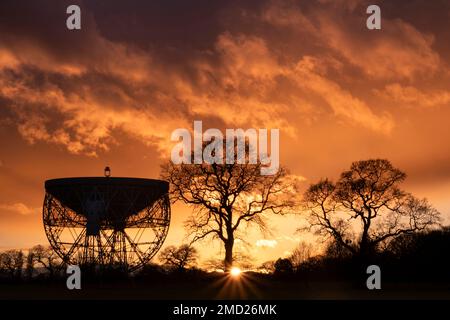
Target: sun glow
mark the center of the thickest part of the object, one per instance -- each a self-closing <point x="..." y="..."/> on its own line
<point x="235" y="272"/>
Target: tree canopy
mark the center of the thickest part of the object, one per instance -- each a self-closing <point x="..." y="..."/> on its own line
<point x="366" y="208"/>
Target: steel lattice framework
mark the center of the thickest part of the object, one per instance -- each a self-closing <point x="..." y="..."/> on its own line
<point x="106" y="221"/>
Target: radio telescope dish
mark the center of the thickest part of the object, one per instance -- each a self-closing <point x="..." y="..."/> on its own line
<point x="106" y="221"/>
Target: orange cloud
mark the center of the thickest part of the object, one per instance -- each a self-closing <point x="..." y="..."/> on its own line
<point x="19" y="208"/>
<point x="413" y="97"/>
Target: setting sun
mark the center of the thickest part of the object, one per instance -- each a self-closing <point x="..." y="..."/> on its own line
<point x="235" y="272"/>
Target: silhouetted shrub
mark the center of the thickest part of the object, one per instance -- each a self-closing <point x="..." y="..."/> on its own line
<point x="283" y="266"/>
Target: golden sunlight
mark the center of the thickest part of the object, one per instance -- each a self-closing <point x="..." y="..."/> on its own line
<point x="235" y="272"/>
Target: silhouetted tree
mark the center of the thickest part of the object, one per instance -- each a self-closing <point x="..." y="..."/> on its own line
<point x="427" y="246"/>
<point x="29" y="268"/>
<point x="47" y="258"/>
<point x="214" y="264"/>
<point x="420" y="255"/>
<point x="11" y="263"/>
<point x="267" y="267"/>
<point x="241" y="260"/>
<point x="180" y="258"/>
<point x="366" y="204"/>
<point x="283" y="266"/>
<point x="336" y="250"/>
<point x="225" y="197"/>
<point x="300" y="254"/>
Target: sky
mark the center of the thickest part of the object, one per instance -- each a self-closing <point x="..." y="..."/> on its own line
<point x="111" y="93"/>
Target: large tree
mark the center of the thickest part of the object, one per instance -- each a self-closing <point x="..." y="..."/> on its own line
<point x="226" y="197"/>
<point x="366" y="208"/>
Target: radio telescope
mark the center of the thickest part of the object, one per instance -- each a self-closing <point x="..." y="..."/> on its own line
<point x="105" y="221"/>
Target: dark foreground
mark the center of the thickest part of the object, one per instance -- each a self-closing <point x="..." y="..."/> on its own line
<point x="247" y="286"/>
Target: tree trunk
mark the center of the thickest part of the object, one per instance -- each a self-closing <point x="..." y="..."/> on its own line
<point x="364" y="246"/>
<point x="363" y="249"/>
<point x="228" y="262"/>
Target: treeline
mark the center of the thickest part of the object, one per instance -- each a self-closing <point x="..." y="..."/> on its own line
<point x="41" y="263"/>
<point x="38" y="262"/>
<point x="418" y="256"/>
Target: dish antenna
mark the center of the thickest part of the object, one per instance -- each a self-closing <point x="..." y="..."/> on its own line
<point x="106" y="221"/>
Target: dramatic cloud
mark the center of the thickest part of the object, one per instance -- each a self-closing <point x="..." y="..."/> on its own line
<point x="82" y="90"/>
<point x="400" y="52"/>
